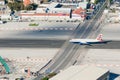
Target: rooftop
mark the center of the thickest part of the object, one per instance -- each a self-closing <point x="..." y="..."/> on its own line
<point x="80" y="72"/>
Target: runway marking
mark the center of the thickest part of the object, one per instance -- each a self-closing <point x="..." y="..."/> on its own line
<point x="30" y="60"/>
<point x="103" y="65"/>
<point x="29" y="29"/>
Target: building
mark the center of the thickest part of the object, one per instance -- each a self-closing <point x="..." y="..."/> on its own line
<point x="83" y="5"/>
<point x="26" y="2"/>
<point x="92" y="1"/>
<point x="10" y="1"/>
<point x="5" y="17"/>
<point x="2" y="2"/>
<point x="35" y="1"/>
<point x="3" y="7"/>
<point x="82" y="72"/>
<point x="79" y="13"/>
<point x="43" y="16"/>
<point x="54" y="11"/>
<point x="4" y="78"/>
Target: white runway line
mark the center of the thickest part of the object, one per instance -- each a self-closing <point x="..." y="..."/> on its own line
<point x="30" y="60"/>
<point x="29" y="29"/>
<point x="103" y="65"/>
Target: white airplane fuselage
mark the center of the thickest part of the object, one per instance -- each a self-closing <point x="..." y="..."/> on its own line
<point x="98" y="40"/>
<point x="86" y="41"/>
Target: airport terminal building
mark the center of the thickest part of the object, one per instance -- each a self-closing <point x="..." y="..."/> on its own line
<point x="82" y="72"/>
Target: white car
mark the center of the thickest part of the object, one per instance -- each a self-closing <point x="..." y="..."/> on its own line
<point x="1" y="22"/>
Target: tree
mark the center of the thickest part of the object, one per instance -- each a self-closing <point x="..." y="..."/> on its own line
<point x="32" y="6"/>
<point x="89" y="1"/>
<point x="96" y="1"/>
<point x="51" y="75"/>
<point x="111" y="1"/>
<point x="29" y="7"/>
<point x="45" y="78"/>
<point x="16" y="6"/>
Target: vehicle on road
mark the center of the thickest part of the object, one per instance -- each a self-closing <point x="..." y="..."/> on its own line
<point x="1" y="22"/>
<point x="98" y="40"/>
<point x="89" y="15"/>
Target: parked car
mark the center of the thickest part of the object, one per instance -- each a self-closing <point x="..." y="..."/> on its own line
<point x="89" y="15"/>
<point x="1" y="22"/>
<point x="4" y="22"/>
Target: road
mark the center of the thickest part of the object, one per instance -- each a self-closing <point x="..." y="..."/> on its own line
<point x="69" y="52"/>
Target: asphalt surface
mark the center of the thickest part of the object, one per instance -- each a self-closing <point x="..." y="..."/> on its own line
<point x="69" y="52"/>
<point x="109" y="45"/>
<point x="45" y="30"/>
<point x="24" y="43"/>
<point x="29" y="43"/>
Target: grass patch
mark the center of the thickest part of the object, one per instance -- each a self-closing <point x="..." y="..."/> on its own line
<point x="33" y="24"/>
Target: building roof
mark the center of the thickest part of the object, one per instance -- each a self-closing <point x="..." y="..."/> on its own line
<point x="93" y="1"/>
<point x="83" y="5"/>
<point x="26" y="2"/>
<point x="84" y="72"/>
<point x="43" y="14"/>
<point x="53" y="5"/>
<point x="78" y="11"/>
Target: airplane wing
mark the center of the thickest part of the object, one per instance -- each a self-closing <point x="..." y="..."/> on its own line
<point x="83" y="43"/>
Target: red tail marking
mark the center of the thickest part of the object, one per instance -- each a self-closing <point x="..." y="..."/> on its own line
<point x="99" y="37"/>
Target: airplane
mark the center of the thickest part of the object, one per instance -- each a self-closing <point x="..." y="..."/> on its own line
<point x="98" y="40"/>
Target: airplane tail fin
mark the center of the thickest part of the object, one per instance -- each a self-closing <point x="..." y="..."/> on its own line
<point x="99" y="37"/>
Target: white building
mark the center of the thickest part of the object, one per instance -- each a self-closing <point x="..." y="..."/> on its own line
<point x="92" y="1"/>
<point x="2" y="2"/>
<point x="43" y="16"/>
<point x="83" y="5"/>
<point x="35" y="1"/>
<point x="54" y="10"/>
<point x="82" y="72"/>
<point x="5" y="17"/>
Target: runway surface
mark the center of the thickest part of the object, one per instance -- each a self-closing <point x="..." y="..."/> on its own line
<point x="29" y="43"/>
<point x="110" y="45"/>
<point x="45" y="30"/>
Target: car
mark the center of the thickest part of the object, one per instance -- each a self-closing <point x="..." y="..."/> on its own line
<point x="4" y="22"/>
<point x="1" y="22"/>
<point x="89" y="15"/>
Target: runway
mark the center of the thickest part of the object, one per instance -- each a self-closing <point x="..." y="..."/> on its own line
<point x="29" y="43"/>
<point x="109" y="45"/>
